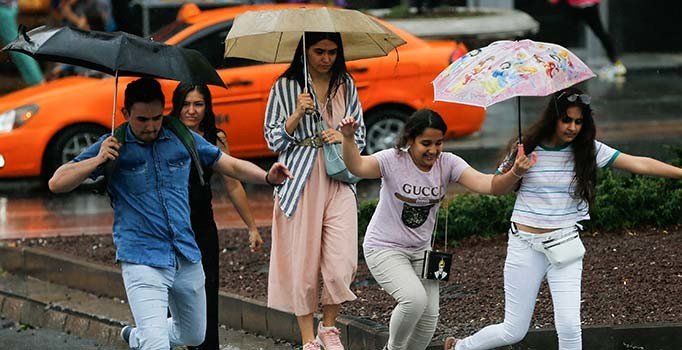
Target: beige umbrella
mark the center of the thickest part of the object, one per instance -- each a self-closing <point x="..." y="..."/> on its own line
<point x="273" y="35"/>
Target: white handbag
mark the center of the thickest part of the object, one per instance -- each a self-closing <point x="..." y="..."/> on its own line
<point x="565" y="250"/>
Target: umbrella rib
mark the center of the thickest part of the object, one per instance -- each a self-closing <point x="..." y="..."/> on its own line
<point x="375" y="42"/>
<point x="279" y="42"/>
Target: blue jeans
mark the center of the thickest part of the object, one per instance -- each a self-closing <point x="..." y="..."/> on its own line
<point x="27" y="66"/>
<point x="152" y="291"/>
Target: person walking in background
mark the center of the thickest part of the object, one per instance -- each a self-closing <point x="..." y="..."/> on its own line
<point x="87" y="18"/>
<point x="552" y="198"/>
<point x="27" y="66"/>
<point x="314" y="225"/>
<point x="193" y="105"/>
<point x="148" y="185"/>
<point x="588" y="12"/>
<point x="87" y="14"/>
<point x="414" y="179"/>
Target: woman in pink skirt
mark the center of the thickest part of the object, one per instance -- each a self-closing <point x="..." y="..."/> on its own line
<point x="314" y="225"/>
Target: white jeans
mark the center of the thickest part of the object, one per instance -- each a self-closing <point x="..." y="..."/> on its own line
<point x="414" y="319"/>
<point x="524" y="270"/>
<point x="151" y="291"/>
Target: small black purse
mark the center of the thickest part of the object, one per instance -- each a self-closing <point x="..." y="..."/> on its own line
<point x="437" y="264"/>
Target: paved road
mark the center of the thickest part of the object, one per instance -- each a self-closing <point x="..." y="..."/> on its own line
<point x="17" y="337"/>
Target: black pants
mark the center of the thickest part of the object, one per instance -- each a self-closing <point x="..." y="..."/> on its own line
<point x="207" y="240"/>
<point x="590" y="15"/>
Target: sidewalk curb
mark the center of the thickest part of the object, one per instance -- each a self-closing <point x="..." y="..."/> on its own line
<point x="254" y="316"/>
<point x="56" y="317"/>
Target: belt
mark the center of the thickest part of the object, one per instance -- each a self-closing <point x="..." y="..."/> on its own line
<point x="312" y="141"/>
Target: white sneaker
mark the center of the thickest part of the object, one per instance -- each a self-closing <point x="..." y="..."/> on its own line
<point x="619" y="68"/>
<point x="613" y="70"/>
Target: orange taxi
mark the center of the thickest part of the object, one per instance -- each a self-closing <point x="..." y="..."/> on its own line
<point x="45" y="126"/>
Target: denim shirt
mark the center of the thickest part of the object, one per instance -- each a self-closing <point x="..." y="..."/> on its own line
<point x="149" y="194"/>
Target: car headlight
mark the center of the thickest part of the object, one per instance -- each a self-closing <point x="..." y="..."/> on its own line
<point x="17" y="117"/>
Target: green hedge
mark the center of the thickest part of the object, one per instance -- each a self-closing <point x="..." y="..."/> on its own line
<point x="623" y="201"/>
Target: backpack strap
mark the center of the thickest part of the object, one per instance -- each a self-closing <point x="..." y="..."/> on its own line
<point x="178" y="128"/>
<point x="185" y="135"/>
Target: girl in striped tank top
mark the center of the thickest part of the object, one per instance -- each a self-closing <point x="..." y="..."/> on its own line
<point x="552" y="197"/>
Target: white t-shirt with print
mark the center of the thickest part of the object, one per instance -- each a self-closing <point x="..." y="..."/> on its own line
<point x="409" y="200"/>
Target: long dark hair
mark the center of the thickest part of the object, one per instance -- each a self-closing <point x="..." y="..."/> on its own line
<point x="585" y="177"/>
<point x="417" y="123"/>
<point x="339" y="70"/>
<point x="207" y="125"/>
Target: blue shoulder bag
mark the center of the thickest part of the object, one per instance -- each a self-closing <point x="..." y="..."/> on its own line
<point x="333" y="158"/>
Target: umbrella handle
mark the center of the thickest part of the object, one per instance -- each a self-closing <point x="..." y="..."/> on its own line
<point x="113" y="108"/>
<point x="305" y="64"/>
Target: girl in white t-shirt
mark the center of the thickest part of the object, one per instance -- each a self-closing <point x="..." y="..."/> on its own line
<point x="414" y="178"/>
<point x="552" y="197"/>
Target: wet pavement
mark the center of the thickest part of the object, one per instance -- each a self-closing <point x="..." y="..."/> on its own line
<point x="18" y="337"/>
<point x="88" y="311"/>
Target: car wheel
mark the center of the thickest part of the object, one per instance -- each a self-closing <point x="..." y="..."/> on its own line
<point x="383" y="128"/>
<point x="68" y="144"/>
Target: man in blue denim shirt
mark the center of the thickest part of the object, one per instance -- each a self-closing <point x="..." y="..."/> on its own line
<point x="160" y="260"/>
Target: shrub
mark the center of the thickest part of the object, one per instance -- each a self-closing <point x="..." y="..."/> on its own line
<point x="626" y="201"/>
<point x="622" y="201"/>
<point x="471" y="214"/>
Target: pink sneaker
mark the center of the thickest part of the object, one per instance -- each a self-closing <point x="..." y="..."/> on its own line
<point x="329" y="338"/>
<point x="313" y="345"/>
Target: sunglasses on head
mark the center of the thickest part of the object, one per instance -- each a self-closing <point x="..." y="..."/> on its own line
<point x="584" y="98"/>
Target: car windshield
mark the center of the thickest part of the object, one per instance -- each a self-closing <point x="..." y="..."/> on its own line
<point x="169" y="30"/>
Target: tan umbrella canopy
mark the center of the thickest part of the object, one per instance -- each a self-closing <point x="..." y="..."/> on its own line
<point x="273" y="35"/>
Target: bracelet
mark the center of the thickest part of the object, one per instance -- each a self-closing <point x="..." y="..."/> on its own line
<point x="515" y="174"/>
<point x="267" y="181"/>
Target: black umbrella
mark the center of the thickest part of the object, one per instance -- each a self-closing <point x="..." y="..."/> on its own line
<point x="118" y="54"/>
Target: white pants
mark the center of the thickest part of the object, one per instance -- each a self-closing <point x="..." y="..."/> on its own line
<point x="414" y="319"/>
<point x="152" y="291"/>
<point x="524" y="270"/>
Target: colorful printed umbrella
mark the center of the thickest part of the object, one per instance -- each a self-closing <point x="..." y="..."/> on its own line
<point x="506" y="69"/>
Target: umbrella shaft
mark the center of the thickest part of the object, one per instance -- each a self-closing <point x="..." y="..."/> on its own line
<point x="113" y="107"/>
<point x="518" y="113"/>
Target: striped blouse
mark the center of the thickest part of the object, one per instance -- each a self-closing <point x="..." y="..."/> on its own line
<point x="300" y="159"/>
<point x="545" y="198"/>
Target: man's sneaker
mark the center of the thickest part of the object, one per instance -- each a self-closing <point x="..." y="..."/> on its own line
<point x="125" y="333"/>
<point x="313" y="345"/>
<point x="329" y="337"/>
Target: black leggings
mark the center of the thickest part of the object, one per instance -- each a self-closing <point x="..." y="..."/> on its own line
<point x="590" y="15"/>
<point x="207" y="240"/>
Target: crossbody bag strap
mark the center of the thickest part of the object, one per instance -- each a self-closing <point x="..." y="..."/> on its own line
<point x="435" y="227"/>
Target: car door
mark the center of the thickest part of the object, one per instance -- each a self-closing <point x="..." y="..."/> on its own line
<point x="240" y="108"/>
